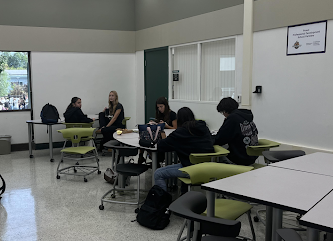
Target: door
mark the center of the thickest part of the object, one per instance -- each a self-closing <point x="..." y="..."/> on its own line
<point x="156" y="78"/>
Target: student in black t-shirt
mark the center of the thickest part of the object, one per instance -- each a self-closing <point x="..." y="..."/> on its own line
<point x="111" y="118"/>
<point x="74" y="113"/>
<point x="163" y="115"/>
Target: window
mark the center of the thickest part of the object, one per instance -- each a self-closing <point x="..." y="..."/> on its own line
<point x="207" y="70"/>
<point x="15" y="93"/>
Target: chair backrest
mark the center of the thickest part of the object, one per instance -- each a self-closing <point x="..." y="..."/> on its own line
<point x="75" y="135"/>
<point x="208" y="171"/>
<point x="263" y="145"/>
<point x="125" y="120"/>
<point x="79" y="125"/>
<point x="196" y="158"/>
<point x="192" y="204"/>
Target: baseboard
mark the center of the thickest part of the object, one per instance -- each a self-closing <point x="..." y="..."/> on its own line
<point x="40" y="146"/>
<point x="20" y="147"/>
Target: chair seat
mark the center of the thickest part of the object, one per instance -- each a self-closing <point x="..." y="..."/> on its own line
<point x="229" y="209"/>
<point x="78" y="150"/>
<point x="131" y="169"/>
<point x="111" y="143"/>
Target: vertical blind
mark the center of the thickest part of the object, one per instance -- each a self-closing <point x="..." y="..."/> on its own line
<point x="217" y="71"/>
<point x="185" y="60"/>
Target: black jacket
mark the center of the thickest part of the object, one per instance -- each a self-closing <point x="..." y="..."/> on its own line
<point x="238" y="131"/>
<point x="75" y="115"/>
<point x="185" y="142"/>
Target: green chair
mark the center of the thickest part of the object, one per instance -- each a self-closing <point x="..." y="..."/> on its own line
<point x="263" y="145"/>
<point x="224" y="208"/>
<point x="78" y="153"/>
<point x="78" y="125"/>
<point x="125" y="120"/>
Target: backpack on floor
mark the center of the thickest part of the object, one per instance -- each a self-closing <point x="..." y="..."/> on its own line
<point x="3" y="187"/>
<point x="49" y="114"/>
<point x="154" y="213"/>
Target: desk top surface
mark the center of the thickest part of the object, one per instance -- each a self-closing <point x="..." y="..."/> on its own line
<point x="320" y="216"/>
<point x="62" y="120"/>
<point x="319" y="163"/>
<point x="132" y="139"/>
<point x="276" y="187"/>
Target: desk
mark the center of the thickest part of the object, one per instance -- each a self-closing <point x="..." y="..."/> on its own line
<point x="319" y="163"/>
<point x="320" y="216"/>
<point x="281" y="189"/>
<point x="49" y="127"/>
<point x="132" y="139"/>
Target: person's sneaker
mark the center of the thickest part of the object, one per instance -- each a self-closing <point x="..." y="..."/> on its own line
<point x="141" y="159"/>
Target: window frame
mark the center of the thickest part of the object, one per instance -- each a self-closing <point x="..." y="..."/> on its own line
<point x="28" y="81"/>
<point x="199" y="62"/>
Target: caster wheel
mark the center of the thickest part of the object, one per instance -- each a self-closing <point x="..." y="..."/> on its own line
<point x="62" y="161"/>
<point x="77" y="163"/>
<point x="137" y="210"/>
<point x="58" y="177"/>
<point x="113" y="196"/>
<point x="85" y="180"/>
<point x="75" y="170"/>
<point x="31" y="156"/>
<point x="101" y="207"/>
<point x="52" y="160"/>
<point x="256" y="219"/>
<point x="99" y="172"/>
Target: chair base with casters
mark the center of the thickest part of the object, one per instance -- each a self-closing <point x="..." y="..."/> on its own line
<point x="78" y="153"/>
<point x="129" y="169"/>
<point x="190" y="206"/>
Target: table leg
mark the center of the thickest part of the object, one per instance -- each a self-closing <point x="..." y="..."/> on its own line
<point x="50" y="143"/>
<point x="269" y="213"/>
<point x="121" y="178"/>
<point x="312" y="234"/>
<point x="276" y="224"/>
<point x="210" y="203"/>
<point x="30" y="139"/>
<point x="154" y="166"/>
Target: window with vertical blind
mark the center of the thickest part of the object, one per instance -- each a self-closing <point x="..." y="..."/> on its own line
<point x="207" y="70"/>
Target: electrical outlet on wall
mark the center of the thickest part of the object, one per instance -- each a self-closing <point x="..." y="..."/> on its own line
<point x="239" y="98"/>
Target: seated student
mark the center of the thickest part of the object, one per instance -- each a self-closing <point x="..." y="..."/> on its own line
<point x="191" y="136"/>
<point x="74" y="113"/>
<point x="163" y="115"/>
<point x="238" y="131"/>
<point x="111" y="118"/>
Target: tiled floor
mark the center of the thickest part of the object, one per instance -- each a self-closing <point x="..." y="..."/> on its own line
<point x="37" y="206"/>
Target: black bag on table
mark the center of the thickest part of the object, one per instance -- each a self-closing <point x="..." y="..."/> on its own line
<point x="49" y="114"/>
<point x="154" y="213"/>
<point x="3" y="187"/>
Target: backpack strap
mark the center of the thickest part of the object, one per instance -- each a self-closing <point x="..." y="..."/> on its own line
<point x="3" y="188"/>
<point x="150" y="133"/>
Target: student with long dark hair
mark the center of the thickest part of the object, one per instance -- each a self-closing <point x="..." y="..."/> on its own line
<point x="238" y="131"/>
<point x="111" y="118"/>
<point x="74" y="113"/>
<point x="191" y="136"/>
<point x="164" y="114"/>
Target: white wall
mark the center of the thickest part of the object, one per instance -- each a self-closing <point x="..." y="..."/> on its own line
<point x="140" y="87"/>
<point x="57" y="77"/>
<point x="296" y="104"/>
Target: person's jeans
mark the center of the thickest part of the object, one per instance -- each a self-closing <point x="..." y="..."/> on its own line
<point x="163" y="173"/>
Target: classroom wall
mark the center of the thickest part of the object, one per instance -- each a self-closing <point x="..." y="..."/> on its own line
<point x="295" y="106"/>
<point x="57" y="77"/>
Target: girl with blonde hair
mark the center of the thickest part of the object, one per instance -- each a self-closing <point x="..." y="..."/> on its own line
<point x="111" y="118"/>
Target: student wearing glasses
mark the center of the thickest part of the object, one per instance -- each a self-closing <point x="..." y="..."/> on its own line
<point x="238" y="131"/>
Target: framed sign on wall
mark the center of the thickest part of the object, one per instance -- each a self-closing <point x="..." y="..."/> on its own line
<point x="307" y="38"/>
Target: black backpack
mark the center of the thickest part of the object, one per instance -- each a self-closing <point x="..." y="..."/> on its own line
<point x="154" y="213"/>
<point x="3" y="187"/>
<point x="49" y="114"/>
